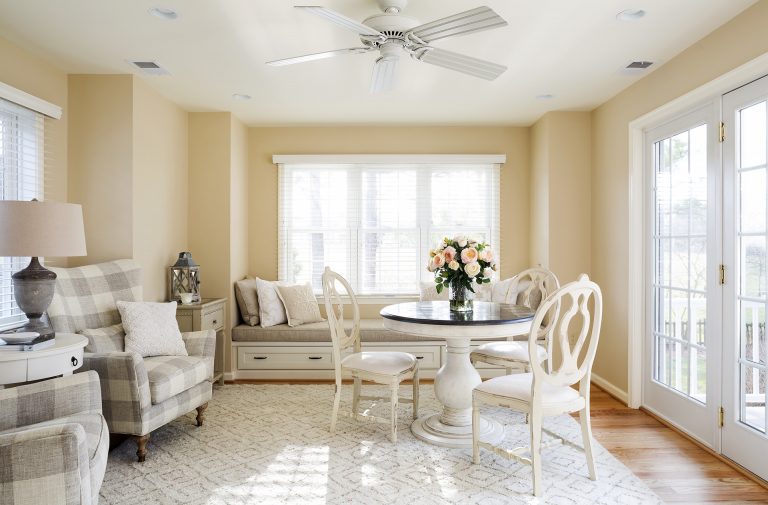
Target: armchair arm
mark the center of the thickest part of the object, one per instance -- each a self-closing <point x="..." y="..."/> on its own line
<point x="203" y="344"/>
<point x="62" y="471"/>
<point x="124" y="389"/>
<point x="51" y="399"/>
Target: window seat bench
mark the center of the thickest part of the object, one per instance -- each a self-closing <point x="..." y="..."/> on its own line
<point x="305" y="352"/>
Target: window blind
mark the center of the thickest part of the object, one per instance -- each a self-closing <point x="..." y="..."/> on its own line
<point x="375" y="223"/>
<point x="22" y="162"/>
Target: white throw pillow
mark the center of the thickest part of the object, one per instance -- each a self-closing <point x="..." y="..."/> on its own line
<point x="428" y="293"/>
<point x="271" y="308"/>
<point x="151" y="329"/>
<point x="500" y="292"/>
<point x="300" y="304"/>
<point x="484" y="292"/>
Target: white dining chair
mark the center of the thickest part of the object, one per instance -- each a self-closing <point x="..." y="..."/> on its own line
<point x="381" y="367"/>
<point x="528" y="288"/>
<point x="576" y="310"/>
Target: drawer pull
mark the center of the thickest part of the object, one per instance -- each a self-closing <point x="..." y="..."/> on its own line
<point x="315" y="357"/>
<point x="215" y="321"/>
<point x="259" y="357"/>
<point x="419" y="357"/>
<point x="75" y="362"/>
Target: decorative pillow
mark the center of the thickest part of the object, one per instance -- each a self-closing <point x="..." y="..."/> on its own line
<point x="484" y="292"/>
<point x="247" y="300"/>
<point x="300" y="304"/>
<point x="428" y="293"/>
<point x="151" y="329"/>
<point x="107" y="339"/>
<point x="500" y="291"/>
<point x="271" y="308"/>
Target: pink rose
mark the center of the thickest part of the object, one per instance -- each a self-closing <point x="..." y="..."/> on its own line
<point x="469" y="255"/>
<point x="486" y="255"/>
<point x="438" y="261"/>
<point x="449" y="253"/>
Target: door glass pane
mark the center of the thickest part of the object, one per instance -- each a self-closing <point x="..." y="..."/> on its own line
<point x="680" y="248"/>
<point x="753" y="264"/>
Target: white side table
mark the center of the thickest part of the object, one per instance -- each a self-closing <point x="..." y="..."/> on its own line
<point x="64" y="357"/>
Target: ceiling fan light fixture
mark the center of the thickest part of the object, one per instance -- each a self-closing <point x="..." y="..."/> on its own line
<point x="630" y="14"/>
<point x="163" y="13"/>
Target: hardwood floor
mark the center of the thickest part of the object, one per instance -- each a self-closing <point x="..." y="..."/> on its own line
<point x="677" y="469"/>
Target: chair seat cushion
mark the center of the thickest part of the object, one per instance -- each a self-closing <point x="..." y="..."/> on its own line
<point x="518" y="387"/>
<point x="511" y="351"/>
<point x="385" y="363"/>
<point x="171" y="375"/>
<point x="93" y="424"/>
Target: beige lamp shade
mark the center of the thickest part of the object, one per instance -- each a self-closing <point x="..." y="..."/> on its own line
<point x="41" y="229"/>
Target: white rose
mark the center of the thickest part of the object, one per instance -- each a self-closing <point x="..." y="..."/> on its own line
<point x="453" y="265"/>
<point x="486" y="255"/>
<point x="472" y="269"/>
<point x="487" y="272"/>
<point x="461" y="240"/>
<point x="431" y="267"/>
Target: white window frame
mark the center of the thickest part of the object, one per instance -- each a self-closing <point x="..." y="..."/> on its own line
<point x="424" y="226"/>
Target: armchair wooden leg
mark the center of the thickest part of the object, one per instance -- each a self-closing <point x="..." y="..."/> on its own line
<point x="141" y="446"/>
<point x="201" y="413"/>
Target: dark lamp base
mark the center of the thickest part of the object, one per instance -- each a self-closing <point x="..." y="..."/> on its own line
<point x="33" y="290"/>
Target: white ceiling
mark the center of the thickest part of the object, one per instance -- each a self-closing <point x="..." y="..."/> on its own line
<point x="571" y="49"/>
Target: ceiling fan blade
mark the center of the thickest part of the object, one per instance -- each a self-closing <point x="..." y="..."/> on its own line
<point x="383" y="77"/>
<point x="340" y="19"/>
<point x="318" y="56"/>
<point x="460" y="63"/>
<point x="475" y="20"/>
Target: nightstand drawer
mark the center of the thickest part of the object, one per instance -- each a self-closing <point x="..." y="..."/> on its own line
<point x="213" y="320"/>
<point x="50" y="366"/>
<point x="276" y="358"/>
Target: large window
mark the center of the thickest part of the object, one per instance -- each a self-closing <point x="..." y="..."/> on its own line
<point x="21" y="178"/>
<point x="375" y="222"/>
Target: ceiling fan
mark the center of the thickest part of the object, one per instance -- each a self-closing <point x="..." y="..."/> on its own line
<point x="392" y="33"/>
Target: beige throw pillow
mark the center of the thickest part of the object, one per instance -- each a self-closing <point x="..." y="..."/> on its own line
<point x="151" y="329"/>
<point x="247" y="300"/>
<point x="300" y="304"/>
<point x="271" y="309"/>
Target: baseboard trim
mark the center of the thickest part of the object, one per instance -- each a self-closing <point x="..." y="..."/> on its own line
<point x="229" y="376"/>
<point x="608" y="387"/>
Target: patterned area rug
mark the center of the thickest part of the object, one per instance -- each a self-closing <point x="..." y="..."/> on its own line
<point x="269" y="444"/>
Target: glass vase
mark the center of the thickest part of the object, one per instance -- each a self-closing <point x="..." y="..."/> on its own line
<point x="460" y="298"/>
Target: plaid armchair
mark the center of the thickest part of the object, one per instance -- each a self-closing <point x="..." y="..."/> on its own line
<point x="53" y="442"/>
<point x="139" y="394"/>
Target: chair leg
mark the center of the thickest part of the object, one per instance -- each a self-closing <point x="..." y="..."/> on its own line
<point x="201" y="413"/>
<point x="394" y="412"/>
<point x="356" y="394"/>
<point x="416" y="394"/>
<point x="336" y="402"/>
<point x="586" y="435"/>
<point x="475" y="430"/>
<point x="141" y="446"/>
<point x="536" y="451"/>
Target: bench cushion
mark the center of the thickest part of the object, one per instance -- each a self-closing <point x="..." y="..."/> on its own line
<point x="371" y="330"/>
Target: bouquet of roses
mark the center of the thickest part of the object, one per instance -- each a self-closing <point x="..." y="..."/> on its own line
<point x="461" y="260"/>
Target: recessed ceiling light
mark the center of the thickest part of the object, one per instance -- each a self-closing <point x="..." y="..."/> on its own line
<point x="630" y="15"/>
<point x="241" y="96"/>
<point x="162" y="13"/>
<point x="545" y="97"/>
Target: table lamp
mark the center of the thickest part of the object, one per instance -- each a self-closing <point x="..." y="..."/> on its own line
<point x="39" y="229"/>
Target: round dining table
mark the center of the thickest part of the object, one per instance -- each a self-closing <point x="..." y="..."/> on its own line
<point x="457" y="377"/>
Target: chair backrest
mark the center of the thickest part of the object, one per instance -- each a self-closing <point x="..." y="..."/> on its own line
<point x="573" y="331"/>
<point x="531" y="286"/>
<point x="334" y="308"/>
<point x="86" y="297"/>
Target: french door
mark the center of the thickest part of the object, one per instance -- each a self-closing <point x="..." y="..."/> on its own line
<point x="682" y="347"/>
<point x="706" y="350"/>
<point x="745" y="349"/>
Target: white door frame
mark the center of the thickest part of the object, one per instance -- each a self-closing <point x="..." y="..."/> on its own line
<point x="636" y="274"/>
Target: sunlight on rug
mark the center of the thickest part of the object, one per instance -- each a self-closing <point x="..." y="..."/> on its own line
<point x="269" y="444"/>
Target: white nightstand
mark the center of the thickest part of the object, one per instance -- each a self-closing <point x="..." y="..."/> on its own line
<point x="209" y="314"/>
<point x="64" y="357"/>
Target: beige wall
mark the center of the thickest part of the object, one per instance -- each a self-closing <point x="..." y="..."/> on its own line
<point x="539" y="193"/>
<point x="264" y="142"/>
<point x="101" y="163"/>
<point x="27" y="72"/>
<point x="160" y="196"/>
<point x="738" y="41"/>
<point x="238" y="216"/>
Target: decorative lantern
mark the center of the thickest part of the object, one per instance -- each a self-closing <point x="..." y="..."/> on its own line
<point x="184" y="277"/>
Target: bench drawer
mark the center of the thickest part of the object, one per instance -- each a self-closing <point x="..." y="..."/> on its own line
<point x="283" y="358"/>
